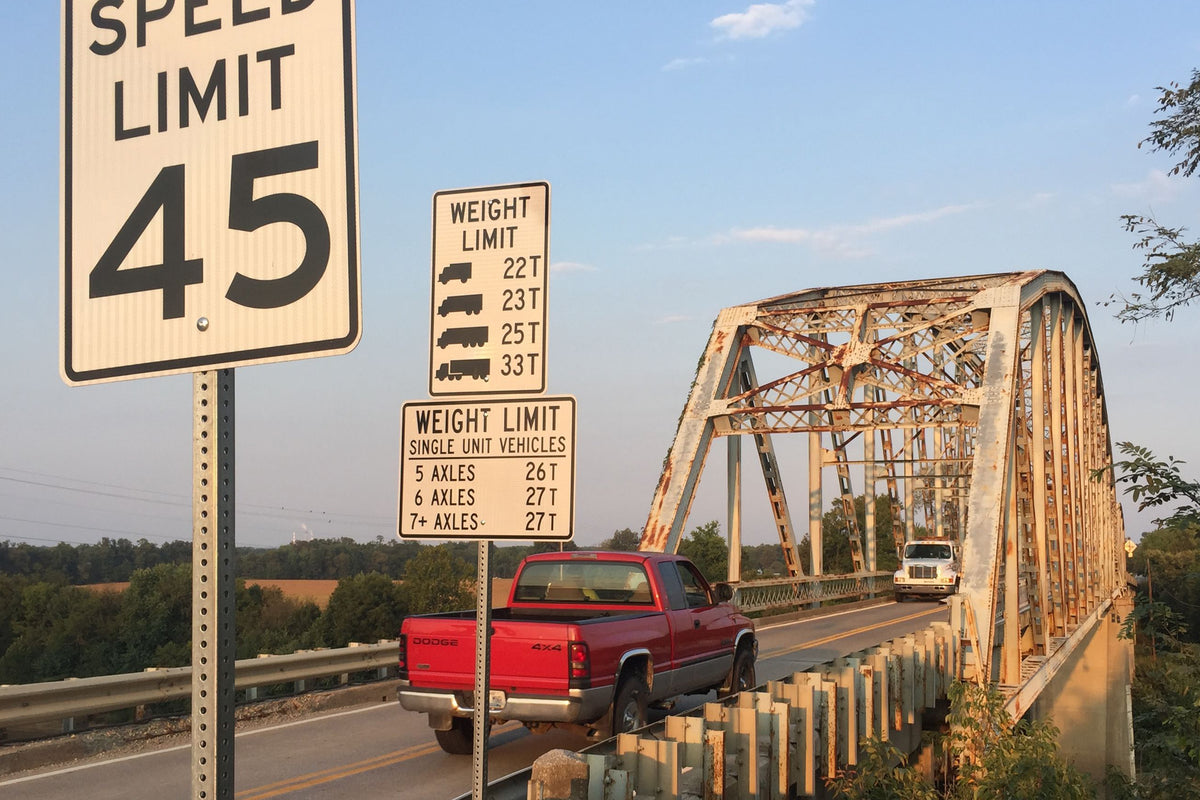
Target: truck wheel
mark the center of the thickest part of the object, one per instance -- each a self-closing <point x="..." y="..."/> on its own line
<point x="741" y="675"/>
<point x="629" y="707"/>
<point x="459" y="739"/>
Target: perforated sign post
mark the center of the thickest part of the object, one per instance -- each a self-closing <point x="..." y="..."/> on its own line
<point x="487" y="331"/>
<point x="209" y="219"/>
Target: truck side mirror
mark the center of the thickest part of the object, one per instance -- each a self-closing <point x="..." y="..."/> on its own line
<point x="723" y="592"/>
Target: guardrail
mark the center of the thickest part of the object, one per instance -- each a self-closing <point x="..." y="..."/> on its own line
<point x="79" y="697"/>
<point x="779" y="740"/>
<point x="73" y="698"/>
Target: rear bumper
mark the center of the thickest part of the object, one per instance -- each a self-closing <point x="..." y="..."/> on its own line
<point x="580" y="706"/>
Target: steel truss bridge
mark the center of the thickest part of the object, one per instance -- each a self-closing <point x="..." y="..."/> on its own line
<point x="975" y="405"/>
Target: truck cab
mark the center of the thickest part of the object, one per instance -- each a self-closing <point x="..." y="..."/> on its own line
<point x="928" y="568"/>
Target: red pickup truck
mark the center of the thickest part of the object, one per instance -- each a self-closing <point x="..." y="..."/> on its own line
<point x="587" y="639"/>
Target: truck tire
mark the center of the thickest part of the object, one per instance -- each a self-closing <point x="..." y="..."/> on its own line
<point x="741" y="674"/>
<point x="629" y="706"/>
<point x="459" y="739"/>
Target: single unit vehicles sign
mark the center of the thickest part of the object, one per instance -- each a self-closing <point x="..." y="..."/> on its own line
<point x="488" y="469"/>
<point x="209" y="185"/>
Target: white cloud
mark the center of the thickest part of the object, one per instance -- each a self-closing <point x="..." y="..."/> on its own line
<point x="682" y="63"/>
<point x="1156" y="187"/>
<point x="763" y="19"/>
<point x="571" y="266"/>
<point x="841" y="241"/>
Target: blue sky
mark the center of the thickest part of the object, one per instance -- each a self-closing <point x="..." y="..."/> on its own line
<point x="701" y="154"/>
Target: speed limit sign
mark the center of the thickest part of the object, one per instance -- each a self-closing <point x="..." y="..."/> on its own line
<point x="209" y="185"/>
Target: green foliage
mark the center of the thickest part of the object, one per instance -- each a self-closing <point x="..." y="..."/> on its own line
<point x="1153" y="625"/>
<point x="156" y="618"/>
<point x="364" y="608"/>
<point x="59" y="632"/>
<point x="836" y="556"/>
<point x="268" y="622"/>
<point x="1179" y="131"/>
<point x="763" y="561"/>
<point x="625" y="539"/>
<point x="1170" y="274"/>
<point x="1156" y="483"/>
<point x="882" y="774"/>
<point x="1166" y="686"/>
<point x="438" y="580"/>
<point x="327" y="559"/>
<point x="998" y="759"/>
<point x="708" y="550"/>
<point x="990" y="758"/>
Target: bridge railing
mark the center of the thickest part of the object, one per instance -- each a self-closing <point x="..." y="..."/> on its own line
<point x="776" y="594"/>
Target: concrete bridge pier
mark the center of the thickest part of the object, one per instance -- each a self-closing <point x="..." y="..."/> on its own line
<point x="1088" y="699"/>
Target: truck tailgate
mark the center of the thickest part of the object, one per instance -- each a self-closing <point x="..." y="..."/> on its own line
<point x="524" y="653"/>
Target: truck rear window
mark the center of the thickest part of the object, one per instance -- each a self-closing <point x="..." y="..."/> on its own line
<point x="927" y="551"/>
<point x="583" y="582"/>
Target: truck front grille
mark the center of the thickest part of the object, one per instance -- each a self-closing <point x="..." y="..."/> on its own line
<point x="922" y="571"/>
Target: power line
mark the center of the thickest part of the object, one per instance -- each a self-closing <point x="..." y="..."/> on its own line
<point x="283" y="515"/>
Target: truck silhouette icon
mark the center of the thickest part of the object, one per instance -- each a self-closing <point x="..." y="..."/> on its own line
<point x="477" y="368"/>
<point x="467" y="337"/>
<point x="460" y="270"/>
<point x="464" y="303"/>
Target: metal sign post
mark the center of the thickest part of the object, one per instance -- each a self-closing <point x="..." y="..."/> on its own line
<point x="483" y="629"/>
<point x="213" y="595"/>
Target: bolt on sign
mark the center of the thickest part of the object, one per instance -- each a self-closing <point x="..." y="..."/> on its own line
<point x="488" y="469"/>
<point x="209" y="185"/>
<point x="491" y="248"/>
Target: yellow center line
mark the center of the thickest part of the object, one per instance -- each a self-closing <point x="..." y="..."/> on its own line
<point x="337" y="773"/>
<point x="834" y="637"/>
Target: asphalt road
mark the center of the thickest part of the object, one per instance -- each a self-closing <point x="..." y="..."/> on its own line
<point x="383" y="751"/>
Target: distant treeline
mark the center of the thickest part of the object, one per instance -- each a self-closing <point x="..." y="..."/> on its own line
<point x="51" y="628"/>
<point x="116" y="560"/>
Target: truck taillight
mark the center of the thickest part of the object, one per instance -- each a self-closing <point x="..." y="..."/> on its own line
<point x="402" y="664"/>
<point x="580" y="660"/>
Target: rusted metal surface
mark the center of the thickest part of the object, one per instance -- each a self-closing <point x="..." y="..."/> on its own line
<point x="979" y="405"/>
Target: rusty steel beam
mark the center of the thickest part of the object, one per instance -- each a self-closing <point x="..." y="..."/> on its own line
<point x="986" y="397"/>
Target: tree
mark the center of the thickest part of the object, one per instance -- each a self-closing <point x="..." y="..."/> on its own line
<point x="624" y="539"/>
<point x="268" y="622"/>
<point x="989" y="756"/>
<point x="708" y="550"/>
<point x="1153" y="483"/>
<point x="364" y="608"/>
<point x="438" y="580"/>
<point x="61" y="632"/>
<point x="1170" y="275"/>
<point x="156" y="618"/>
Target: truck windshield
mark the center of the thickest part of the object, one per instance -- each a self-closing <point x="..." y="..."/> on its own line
<point x="583" y="582"/>
<point x="941" y="551"/>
